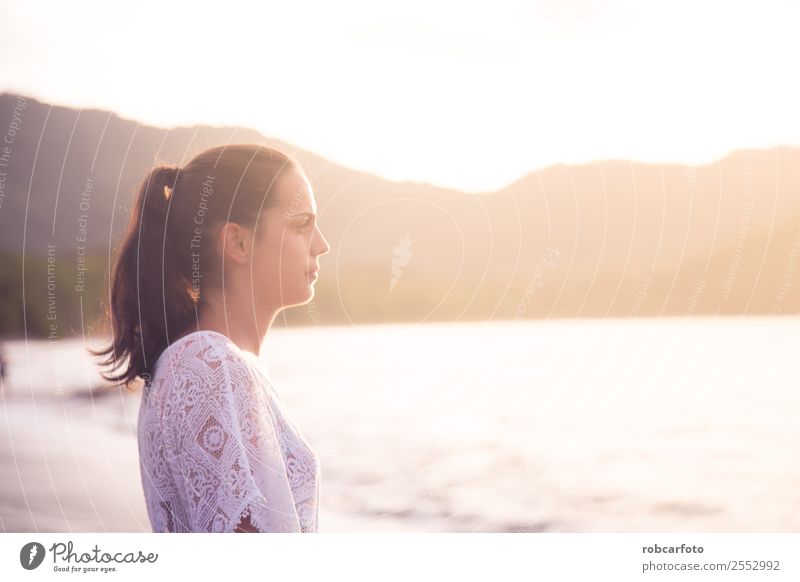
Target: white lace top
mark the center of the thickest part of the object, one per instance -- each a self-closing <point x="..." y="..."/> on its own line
<point x="215" y="444"/>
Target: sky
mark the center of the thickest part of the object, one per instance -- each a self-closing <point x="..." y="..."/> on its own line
<point x="463" y="95"/>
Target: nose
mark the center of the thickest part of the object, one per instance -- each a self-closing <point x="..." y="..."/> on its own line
<point x="319" y="246"/>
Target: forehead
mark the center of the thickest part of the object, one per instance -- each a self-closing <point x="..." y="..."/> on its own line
<point x="295" y="195"/>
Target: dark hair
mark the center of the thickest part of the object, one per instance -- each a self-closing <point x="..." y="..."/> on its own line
<point x="169" y="248"/>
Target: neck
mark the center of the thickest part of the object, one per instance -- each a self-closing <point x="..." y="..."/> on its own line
<point x="248" y="334"/>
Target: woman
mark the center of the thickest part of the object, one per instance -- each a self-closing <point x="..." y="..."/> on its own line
<point x="214" y="251"/>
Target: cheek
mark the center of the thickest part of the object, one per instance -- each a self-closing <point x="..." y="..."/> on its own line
<point x="281" y="257"/>
<point x="294" y="255"/>
<point x="266" y="259"/>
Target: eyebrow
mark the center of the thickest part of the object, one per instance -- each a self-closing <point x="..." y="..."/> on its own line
<point x="308" y="214"/>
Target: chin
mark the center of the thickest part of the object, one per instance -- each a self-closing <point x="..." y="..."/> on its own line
<point x="301" y="299"/>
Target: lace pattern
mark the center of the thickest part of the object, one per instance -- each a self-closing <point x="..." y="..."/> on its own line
<point x="215" y="444"/>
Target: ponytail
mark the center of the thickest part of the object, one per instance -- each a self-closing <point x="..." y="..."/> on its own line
<point x="150" y="295"/>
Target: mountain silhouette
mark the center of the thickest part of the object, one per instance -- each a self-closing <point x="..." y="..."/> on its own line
<point x="632" y="239"/>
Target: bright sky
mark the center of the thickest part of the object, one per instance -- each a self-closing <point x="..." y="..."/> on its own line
<point x="467" y="96"/>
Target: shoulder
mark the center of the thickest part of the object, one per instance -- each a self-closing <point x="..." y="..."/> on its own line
<point x="204" y="360"/>
<point x="209" y="377"/>
<point x="203" y="346"/>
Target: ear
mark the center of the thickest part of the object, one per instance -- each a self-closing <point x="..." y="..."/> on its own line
<point x="234" y="242"/>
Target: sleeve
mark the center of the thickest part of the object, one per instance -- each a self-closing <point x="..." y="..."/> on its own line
<point x="228" y="463"/>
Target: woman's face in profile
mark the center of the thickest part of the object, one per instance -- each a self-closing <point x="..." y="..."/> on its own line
<point x="288" y="244"/>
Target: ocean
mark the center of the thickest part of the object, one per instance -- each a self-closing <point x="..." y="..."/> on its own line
<point x="591" y="425"/>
